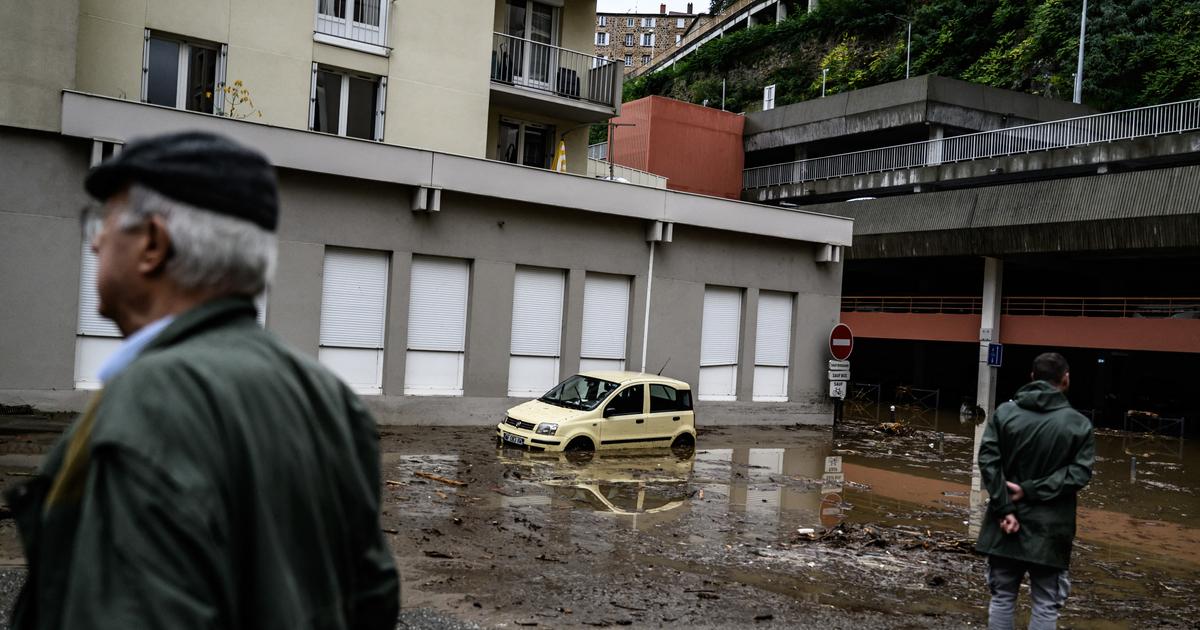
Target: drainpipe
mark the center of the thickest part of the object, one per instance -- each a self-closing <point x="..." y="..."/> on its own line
<point x="656" y="232"/>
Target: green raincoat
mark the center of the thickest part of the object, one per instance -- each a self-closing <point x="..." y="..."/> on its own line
<point x="1039" y="442"/>
<point x="219" y="481"/>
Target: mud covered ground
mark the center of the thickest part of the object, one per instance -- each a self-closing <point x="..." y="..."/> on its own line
<point x="749" y="531"/>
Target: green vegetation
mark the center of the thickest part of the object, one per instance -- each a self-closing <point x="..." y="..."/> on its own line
<point x="1139" y="52"/>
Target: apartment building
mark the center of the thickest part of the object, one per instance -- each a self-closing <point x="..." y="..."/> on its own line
<point x="633" y="39"/>
<point x="424" y="248"/>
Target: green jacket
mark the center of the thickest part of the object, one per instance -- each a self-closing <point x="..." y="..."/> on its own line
<point x="1040" y="443"/>
<point x="220" y="481"/>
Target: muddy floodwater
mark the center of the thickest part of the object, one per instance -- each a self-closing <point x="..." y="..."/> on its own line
<point x="756" y="528"/>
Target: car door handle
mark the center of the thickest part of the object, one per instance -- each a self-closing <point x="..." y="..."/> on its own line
<point x="640" y="420"/>
<point x="675" y="418"/>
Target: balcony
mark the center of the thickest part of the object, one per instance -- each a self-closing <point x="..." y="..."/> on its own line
<point x="357" y="24"/>
<point x="553" y="81"/>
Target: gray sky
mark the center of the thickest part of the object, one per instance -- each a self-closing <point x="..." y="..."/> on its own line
<point x="647" y="6"/>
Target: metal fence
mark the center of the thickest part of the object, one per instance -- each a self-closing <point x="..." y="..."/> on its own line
<point x="598" y="151"/>
<point x="1136" y="307"/>
<point x="1142" y="122"/>
<point x="553" y="70"/>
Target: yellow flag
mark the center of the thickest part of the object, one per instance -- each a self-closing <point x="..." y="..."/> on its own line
<point x="560" y="157"/>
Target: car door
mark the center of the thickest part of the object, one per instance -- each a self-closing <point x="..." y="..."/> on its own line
<point x="667" y="413"/>
<point x="624" y="418"/>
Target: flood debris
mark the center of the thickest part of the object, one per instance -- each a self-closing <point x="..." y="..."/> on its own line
<point x="906" y="538"/>
<point x="439" y="479"/>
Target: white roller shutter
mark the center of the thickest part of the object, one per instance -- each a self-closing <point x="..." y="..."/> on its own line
<point x="90" y="321"/>
<point x="605" y="316"/>
<point x="437" y="307"/>
<point x="773" y="338"/>
<point x="354" y="298"/>
<point x="719" y="330"/>
<point x="537" y="312"/>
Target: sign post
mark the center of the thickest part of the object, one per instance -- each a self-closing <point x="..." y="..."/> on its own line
<point x="841" y="344"/>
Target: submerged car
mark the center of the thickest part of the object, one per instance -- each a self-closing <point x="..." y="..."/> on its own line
<point x="604" y="410"/>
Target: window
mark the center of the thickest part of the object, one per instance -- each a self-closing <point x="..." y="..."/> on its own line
<point x="602" y="20"/>
<point x="347" y="104"/>
<point x="628" y="39"/>
<point x="536" y="339"/>
<point x="605" y="322"/>
<point x="183" y="73"/>
<point x="680" y="23"/>
<point x="601" y="39"/>
<point x="579" y="392"/>
<point x="772" y="346"/>
<point x="628" y="22"/>
<point x="628" y="60"/>
<point x="645" y="59"/>
<point x="648" y="22"/>
<point x="437" y="326"/>
<point x="663" y="398"/>
<point x="719" y="336"/>
<point x="354" y="290"/>
<point x="627" y="401"/>
<point x="678" y="39"/>
<point x="769" y="97"/>
<point x="353" y="22"/>
<point x="527" y="143"/>
<point x="648" y="39"/>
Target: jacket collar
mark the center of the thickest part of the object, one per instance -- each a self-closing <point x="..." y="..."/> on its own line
<point x="211" y="314"/>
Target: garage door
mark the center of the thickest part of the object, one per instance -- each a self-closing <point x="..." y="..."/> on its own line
<point x="605" y="322"/>
<point x="772" y="346"/>
<point x="536" y="331"/>
<point x="353" y="313"/>
<point x="437" y="327"/>
<point x="98" y="337"/>
<point x="719" y="343"/>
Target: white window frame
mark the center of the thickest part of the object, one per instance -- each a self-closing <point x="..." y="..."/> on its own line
<point x="648" y="39"/>
<point x="769" y="97"/>
<point x="185" y="46"/>
<point x="344" y="103"/>
<point x="628" y="60"/>
<point x="678" y="39"/>
<point x="680" y="23"/>
<point x="645" y="59"/>
<point x="523" y="127"/>
<point x="649" y="22"/>
<point x="628" y="39"/>
<point x="437" y="325"/>
<point x="602" y="20"/>
<point x="363" y="346"/>
<point x="374" y="43"/>
<point x="628" y="22"/>
<point x="601" y="39"/>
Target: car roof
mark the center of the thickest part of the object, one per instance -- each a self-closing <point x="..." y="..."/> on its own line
<point x="622" y="378"/>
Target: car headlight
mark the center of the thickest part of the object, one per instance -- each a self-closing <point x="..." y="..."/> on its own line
<point x="547" y="428"/>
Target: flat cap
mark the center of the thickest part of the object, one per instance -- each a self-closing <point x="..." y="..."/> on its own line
<point x="197" y="168"/>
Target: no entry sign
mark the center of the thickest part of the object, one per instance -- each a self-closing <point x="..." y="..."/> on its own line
<point x="841" y="342"/>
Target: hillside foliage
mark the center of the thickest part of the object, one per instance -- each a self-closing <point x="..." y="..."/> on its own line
<point x="1138" y="52"/>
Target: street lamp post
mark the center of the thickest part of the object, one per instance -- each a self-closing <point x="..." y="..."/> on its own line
<point x="1079" y="64"/>
<point x="908" y="44"/>
<point x="824" y="73"/>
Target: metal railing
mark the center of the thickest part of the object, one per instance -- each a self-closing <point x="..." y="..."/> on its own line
<point x="598" y="151"/>
<point x="553" y="70"/>
<point x="1142" y="122"/>
<point x="1135" y="307"/>
<point x="601" y="169"/>
<point x="356" y="20"/>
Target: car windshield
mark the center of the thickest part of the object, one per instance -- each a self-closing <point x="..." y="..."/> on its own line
<point x="579" y="392"/>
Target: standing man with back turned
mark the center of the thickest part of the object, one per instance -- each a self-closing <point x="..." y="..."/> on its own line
<point x="1036" y="453"/>
<point x="219" y="480"/>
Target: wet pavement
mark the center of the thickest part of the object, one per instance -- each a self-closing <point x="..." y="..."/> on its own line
<point x="755" y="529"/>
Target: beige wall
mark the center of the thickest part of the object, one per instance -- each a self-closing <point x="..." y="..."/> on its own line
<point x="37" y="60"/>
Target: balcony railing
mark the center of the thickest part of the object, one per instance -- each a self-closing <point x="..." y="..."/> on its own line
<point x="1136" y="307"/>
<point x="1142" y="122"/>
<point x="553" y="70"/>
<point x="598" y="151"/>
<point x="353" y="21"/>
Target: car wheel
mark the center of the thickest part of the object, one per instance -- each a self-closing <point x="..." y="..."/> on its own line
<point x="684" y="445"/>
<point x="579" y="444"/>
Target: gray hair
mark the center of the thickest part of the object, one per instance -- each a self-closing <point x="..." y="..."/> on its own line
<point x="210" y="251"/>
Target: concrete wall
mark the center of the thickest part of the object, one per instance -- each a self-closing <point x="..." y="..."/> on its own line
<point x="40" y="233"/>
<point x="37" y="46"/>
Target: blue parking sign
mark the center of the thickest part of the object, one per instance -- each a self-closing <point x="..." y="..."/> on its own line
<point x="995" y="354"/>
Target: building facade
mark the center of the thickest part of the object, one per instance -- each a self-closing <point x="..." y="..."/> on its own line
<point x="416" y="274"/>
<point x="633" y="39"/>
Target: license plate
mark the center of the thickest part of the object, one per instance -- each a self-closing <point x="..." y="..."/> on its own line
<point x="514" y="439"/>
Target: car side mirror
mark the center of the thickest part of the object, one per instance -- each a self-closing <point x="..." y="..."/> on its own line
<point x="609" y="411"/>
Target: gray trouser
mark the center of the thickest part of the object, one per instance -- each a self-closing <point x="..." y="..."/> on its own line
<point x="1048" y="588"/>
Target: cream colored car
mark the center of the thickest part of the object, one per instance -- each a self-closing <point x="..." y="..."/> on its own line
<point x="604" y="410"/>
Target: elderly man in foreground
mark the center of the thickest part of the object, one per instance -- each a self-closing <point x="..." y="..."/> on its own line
<point x="219" y="479"/>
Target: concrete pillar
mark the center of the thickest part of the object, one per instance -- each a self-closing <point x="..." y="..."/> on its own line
<point x="933" y="155"/>
<point x="489" y="328"/>
<point x="294" y="299"/>
<point x="572" y="339"/>
<point x="395" y="347"/>
<point x="749" y="335"/>
<point x="812" y="5"/>
<point x="781" y="11"/>
<point x="985" y="392"/>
